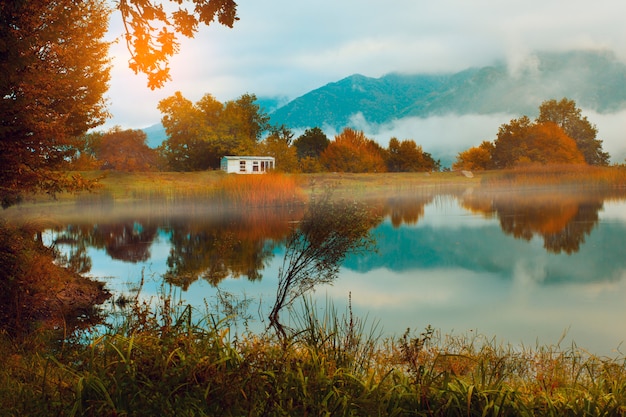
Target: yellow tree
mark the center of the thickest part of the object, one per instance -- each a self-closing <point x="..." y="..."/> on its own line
<point x="352" y="151"/>
<point x="477" y="158"/>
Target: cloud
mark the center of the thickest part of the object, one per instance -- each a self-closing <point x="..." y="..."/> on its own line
<point x="286" y="48"/>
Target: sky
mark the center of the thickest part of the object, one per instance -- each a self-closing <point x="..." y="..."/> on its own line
<point x="285" y="48"/>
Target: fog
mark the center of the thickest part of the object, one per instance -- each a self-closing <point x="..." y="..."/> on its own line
<point x="445" y="136"/>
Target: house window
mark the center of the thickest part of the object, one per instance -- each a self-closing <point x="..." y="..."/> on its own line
<point x="255" y="166"/>
<point x="242" y="166"/>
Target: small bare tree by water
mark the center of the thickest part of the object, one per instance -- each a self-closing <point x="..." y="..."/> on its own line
<point x="314" y="251"/>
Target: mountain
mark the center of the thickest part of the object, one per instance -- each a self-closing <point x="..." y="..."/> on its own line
<point x="155" y="135"/>
<point x="596" y="80"/>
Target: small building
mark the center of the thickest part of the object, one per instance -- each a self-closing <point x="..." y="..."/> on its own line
<point x="247" y="164"/>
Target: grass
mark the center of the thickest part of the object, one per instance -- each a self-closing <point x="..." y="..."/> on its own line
<point x="170" y="363"/>
<point x="567" y="175"/>
<point x="171" y="360"/>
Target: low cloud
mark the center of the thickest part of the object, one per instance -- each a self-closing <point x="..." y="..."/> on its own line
<point x="445" y="136"/>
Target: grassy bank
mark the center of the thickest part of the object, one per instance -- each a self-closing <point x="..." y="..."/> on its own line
<point x="335" y="365"/>
<point x="216" y="184"/>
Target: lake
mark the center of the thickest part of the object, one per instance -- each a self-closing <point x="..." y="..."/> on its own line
<point x="539" y="266"/>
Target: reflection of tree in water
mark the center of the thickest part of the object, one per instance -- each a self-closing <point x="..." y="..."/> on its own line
<point x="238" y="245"/>
<point x="561" y="219"/>
<point x="315" y="249"/>
<point x="406" y="209"/>
<point x="129" y="241"/>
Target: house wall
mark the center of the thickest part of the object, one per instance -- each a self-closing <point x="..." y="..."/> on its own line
<point x="246" y="166"/>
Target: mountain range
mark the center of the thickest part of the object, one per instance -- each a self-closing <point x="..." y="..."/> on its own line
<point x="596" y="80"/>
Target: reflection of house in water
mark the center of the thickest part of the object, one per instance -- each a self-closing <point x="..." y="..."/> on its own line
<point x="247" y="164"/>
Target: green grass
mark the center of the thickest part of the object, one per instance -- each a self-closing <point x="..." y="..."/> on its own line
<point x="171" y="363"/>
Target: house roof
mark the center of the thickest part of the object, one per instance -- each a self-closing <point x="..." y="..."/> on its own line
<point x="248" y="158"/>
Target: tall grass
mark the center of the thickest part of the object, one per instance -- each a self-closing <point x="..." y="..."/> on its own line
<point x="272" y="189"/>
<point x="567" y="175"/>
<point x="173" y="361"/>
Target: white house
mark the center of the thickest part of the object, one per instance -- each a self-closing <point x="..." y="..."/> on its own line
<point x="247" y="164"/>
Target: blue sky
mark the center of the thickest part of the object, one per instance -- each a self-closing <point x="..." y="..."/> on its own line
<point x="286" y="48"/>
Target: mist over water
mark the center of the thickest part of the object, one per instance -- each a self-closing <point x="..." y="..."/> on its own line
<point x="524" y="268"/>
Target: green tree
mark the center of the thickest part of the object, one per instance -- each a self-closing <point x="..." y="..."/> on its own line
<point x="55" y="70"/>
<point x="311" y="143"/>
<point x="151" y="30"/>
<point x="568" y="117"/>
<point x="510" y="145"/>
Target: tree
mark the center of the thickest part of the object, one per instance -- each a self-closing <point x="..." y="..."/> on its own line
<point x="568" y="117"/>
<point x="477" y="158"/>
<point x="126" y="150"/>
<point x="278" y="145"/>
<point x="522" y="141"/>
<point x="329" y="231"/>
<point x="245" y="123"/>
<point x="352" y="151"/>
<point x="407" y="156"/>
<point x="548" y="144"/>
<point x="185" y="148"/>
<point x="311" y="143"/>
<point x="510" y="145"/>
<point x="200" y="134"/>
<point x="55" y="70"/>
<point x="151" y="32"/>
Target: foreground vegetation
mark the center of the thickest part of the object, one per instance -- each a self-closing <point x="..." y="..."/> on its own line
<point x="161" y="359"/>
<point x="170" y="363"/>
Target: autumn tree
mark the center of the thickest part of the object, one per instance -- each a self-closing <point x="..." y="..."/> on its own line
<point x="245" y="123"/>
<point x="200" y="134"/>
<point x="568" y="117"/>
<point x="352" y="151"/>
<point x="152" y="30"/>
<point x="407" y="156"/>
<point x="522" y="141"/>
<point x="55" y="70"/>
<point x="278" y="145"/>
<point x="477" y="158"/>
<point x="126" y="150"/>
<point x="185" y="148"/>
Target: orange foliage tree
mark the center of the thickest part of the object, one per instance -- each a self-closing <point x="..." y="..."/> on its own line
<point x="352" y="151"/>
<point x="522" y="141"/>
<point x="407" y="156"/>
<point x="477" y="158"/>
<point x="126" y="150"/>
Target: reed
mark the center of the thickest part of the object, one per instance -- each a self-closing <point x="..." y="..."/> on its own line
<point x="170" y="360"/>
<point x="565" y="175"/>
<point x="272" y="189"/>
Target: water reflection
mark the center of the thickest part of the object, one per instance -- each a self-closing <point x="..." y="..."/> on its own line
<point x="543" y="259"/>
<point x="205" y="244"/>
<point x="562" y="219"/>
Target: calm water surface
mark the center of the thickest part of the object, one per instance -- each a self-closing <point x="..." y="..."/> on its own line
<point x="523" y="268"/>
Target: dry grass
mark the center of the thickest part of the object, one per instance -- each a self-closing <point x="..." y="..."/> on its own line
<point x="569" y="175"/>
